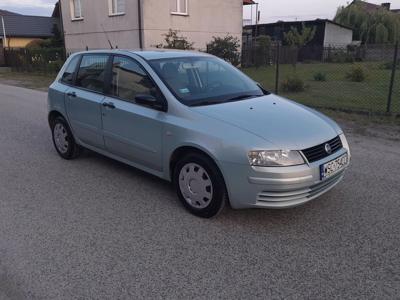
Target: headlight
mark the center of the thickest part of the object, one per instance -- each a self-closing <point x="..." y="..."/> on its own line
<point x="264" y="158"/>
<point x="345" y="143"/>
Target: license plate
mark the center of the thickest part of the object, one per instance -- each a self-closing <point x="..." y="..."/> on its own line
<point x="334" y="166"/>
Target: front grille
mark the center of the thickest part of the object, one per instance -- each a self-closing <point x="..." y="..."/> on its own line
<point x="318" y="152"/>
<point x="298" y="196"/>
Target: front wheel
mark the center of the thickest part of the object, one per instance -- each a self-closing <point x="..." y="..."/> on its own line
<point x="63" y="139"/>
<point x="200" y="185"/>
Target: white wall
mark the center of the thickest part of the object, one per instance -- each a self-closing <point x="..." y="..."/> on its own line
<point x="121" y="30"/>
<point x="337" y="36"/>
<point x="206" y="18"/>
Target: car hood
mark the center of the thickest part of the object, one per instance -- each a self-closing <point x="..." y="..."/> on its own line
<point x="283" y="123"/>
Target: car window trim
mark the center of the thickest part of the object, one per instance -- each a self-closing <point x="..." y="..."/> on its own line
<point x="75" y="72"/>
<point x="105" y="69"/>
<point x="109" y="77"/>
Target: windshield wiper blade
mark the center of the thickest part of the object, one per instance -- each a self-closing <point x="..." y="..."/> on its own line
<point x="205" y="103"/>
<point x="242" y="97"/>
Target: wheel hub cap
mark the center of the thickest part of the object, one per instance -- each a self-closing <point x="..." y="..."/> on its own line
<point x="195" y="185"/>
<point x="61" y="138"/>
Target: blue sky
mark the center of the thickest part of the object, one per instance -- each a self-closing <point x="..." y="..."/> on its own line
<point x="271" y="10"/>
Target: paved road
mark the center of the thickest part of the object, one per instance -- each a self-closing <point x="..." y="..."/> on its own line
<point x="95" y="229"/>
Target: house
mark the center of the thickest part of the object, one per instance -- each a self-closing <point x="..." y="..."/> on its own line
<point x="371" y="7"/>
<point x="327" y="34"/>
<point x="136" y="24"/>
<point x="20" y="30"/>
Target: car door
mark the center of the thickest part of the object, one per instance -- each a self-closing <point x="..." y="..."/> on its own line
<point x="84" y="99"/>
<point x="131" y="130"/>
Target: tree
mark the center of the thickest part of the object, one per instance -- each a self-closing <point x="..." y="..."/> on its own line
<point x="174" y="41"/>
<point x="227" y="48"/>
<point x="262" y="51"/>
<point x="299" y="39"/>
<point x="377" y="26"/>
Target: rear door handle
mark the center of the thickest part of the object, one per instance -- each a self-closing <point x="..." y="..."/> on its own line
<point x="71" y="94"/>
<point x="109" y="105"/>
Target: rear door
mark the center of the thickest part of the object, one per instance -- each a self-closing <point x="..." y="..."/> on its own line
<point x="84" y="99"/>
<point x="131" y="130"/>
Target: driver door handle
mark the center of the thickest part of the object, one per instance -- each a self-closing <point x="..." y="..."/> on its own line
<point x="109" y="105"/>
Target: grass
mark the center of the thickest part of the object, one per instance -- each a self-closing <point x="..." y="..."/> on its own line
<point x="36" y="81"/>
<point x="336" y="92"/>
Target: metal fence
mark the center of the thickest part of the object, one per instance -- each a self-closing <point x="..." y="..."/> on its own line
<point x="363" y="79"/>
<point x="35" y="60"/>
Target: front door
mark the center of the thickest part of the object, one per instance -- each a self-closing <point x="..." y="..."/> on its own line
<point x="132" y="131"/>
<point x="83" y="101"/>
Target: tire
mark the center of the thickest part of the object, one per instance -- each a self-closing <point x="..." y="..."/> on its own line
<point x="63" y="139"/>
<point x="200" y="185"/>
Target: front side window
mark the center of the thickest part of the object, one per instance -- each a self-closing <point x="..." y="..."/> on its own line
<point x="205" y="80"/>
<point x="179" y="7"/>
<point x="68" y="76"/>
<point x="92" y="72"/>
<point x="117" y="7"/>
<point x="76" y="9"/>
<point x="129" y="80"/>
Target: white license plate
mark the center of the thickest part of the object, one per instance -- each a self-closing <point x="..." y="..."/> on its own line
<point x="334" y="166"/>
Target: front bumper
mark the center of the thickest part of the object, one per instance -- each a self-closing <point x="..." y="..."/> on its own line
<point x="277" y="187"/>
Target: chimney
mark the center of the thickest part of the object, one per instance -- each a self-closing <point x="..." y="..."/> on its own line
<point x="386" y="5"/>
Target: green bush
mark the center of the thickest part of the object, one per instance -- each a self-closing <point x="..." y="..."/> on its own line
<point x="174" y="41"/>
<point x="389" y="65"/>
<point x="293" y="84"/>
<point x="319" y="76"/>
<point x="356" y="74"/>
<point x="340" y="57"/>
<point x="227" y="48"/>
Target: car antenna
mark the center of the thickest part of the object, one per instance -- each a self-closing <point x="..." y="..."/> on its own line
<point x="105" y="33"/>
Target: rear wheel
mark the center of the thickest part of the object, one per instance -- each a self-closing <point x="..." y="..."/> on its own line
<point x="199" y="185"/>
<point x="63" y="139"/>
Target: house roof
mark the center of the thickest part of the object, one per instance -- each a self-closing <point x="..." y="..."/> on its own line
<point x="28" y="26"/>
<point x="248" y="2"/>
<point x="309" y="22"/>
<point x="7" y="13"/>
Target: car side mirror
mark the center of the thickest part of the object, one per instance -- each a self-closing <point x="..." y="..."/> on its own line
<point x="149" y="100"/>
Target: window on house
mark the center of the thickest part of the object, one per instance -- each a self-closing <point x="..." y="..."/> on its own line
<point x="76" y="9"/>
<point x="179" y="7"/>
<point x="117" y="7"/>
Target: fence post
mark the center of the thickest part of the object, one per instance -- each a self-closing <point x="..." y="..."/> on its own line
<point x="394" y="67"/>
<point x="277" y="68"/>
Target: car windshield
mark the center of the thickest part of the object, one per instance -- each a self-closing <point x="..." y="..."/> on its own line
<point x="197" y="81"/>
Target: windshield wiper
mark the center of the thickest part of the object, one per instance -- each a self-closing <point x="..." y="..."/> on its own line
<point x="210" y="102"/>
<point x="242" y="97"/>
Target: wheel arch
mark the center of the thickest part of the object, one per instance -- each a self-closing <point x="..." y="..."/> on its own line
<point x="186" y="149"/>
<point x="53" y="115"/>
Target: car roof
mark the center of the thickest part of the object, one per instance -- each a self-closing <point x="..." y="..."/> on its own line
<point x="153" y="54"/>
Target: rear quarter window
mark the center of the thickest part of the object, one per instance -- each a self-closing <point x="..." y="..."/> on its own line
<point x="68" y="76"/>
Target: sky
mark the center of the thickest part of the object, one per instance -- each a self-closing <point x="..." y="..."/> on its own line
<point x="271" y="10"/>
<point x="290" y="10"/>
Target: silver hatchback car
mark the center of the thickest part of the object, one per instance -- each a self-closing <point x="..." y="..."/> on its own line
<point x="195" y="120"/>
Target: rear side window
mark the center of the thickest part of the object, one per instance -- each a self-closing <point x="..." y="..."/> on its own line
<point x="92" y="72"/>
<point x="129" y="80"/>
<point x="68" y="76"/>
